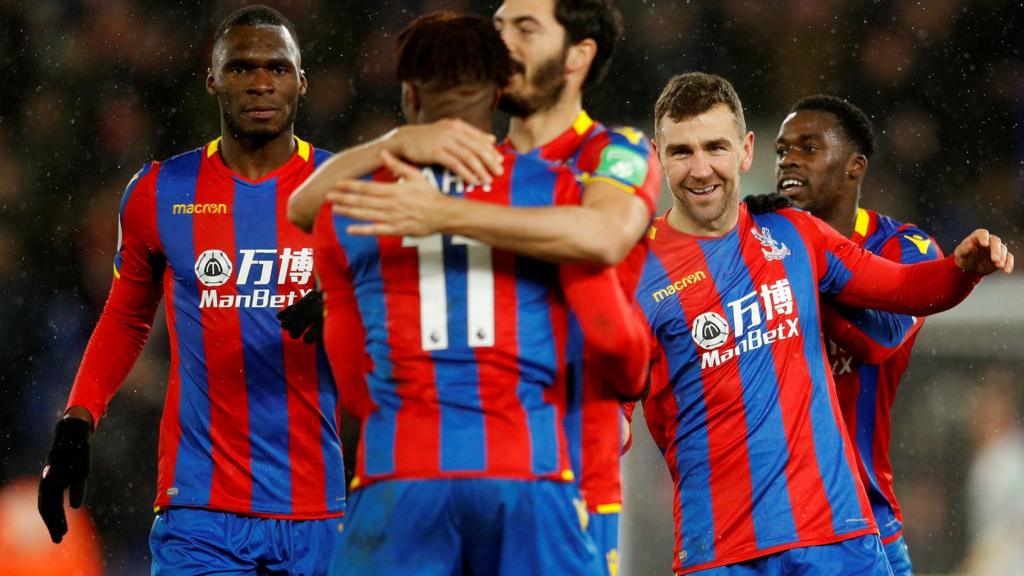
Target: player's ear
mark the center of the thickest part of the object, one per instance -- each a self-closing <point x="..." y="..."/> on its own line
<point x="856" y="166"/>
<point x="747" y="151"/>
<point x="497" y="99"/>
<point x="580" y="55"/>
<point x="302" y="82"/>
<point x="410" y="102"/>
<point x="211" y="87"/>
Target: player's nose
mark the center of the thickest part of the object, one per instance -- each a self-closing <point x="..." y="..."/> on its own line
<point x="261" y="81"/>
<point x="785" y="157"/>
<point x="699" y="165"/>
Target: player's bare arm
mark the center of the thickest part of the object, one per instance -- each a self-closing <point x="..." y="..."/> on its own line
<point x="601" y="231"/>
<point x="465" y="150"/>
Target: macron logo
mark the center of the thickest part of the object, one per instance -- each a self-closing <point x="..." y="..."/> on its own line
<point x="678" y="285"/>
<point x="209" y="208"/>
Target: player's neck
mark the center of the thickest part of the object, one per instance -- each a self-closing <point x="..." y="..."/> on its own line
<point x="473" y="105"/>
<point x="843" y="222"/>
<point x="254" y="159"/>
<point x="680" y="220"/>
<point x="842" y="216"/>
<point x="543" y="126"/>
<point x="480" y="119"/>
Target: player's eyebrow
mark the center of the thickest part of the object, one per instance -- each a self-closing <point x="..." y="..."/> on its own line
<point x="675" y="148"/>
<point x="518" y="20"/>
<point x="799" y="138"/>
<point x="245" y="62"/>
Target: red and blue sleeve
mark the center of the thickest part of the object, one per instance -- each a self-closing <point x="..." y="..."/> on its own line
<point x="127" y="316"/>
<point x="624" y="158"/>
<point x="612" y="329"/>
<point x="656" y="355"/>
<point x="344" y="333"/>
<point x="872" y="336"/>
<point x="655" y="414"/>
<point x="861" y="279"/>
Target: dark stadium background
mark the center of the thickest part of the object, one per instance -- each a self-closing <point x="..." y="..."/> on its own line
<point x="93" y="89"/>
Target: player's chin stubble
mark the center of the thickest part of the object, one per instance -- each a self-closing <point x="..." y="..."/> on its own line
<point x="540" y="92"/>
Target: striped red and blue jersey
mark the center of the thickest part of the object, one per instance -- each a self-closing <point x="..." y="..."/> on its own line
<point x="250" y="422"/>
<point x="742" y="402"/>
<point x="466" y="343"/>
<point x="624" y="158"/>
<point x="869" y="351"/>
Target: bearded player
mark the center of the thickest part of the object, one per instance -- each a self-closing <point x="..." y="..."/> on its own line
<point x="466" y="392"/>
<point x="559" y="49"/>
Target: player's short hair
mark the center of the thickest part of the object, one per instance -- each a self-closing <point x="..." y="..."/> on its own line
<point x="255" y="15"/>
<point x="596" y="19"/>
<point x="693" y="93"/>
<point x="853" y="120"/>
<point x="445" y="50"/>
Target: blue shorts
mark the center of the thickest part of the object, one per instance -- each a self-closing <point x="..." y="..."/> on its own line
<point x="899" y="557"/>
<point x="862" y="556"/>
<point x="449" y="527"/>
<point x="604" y="530"/>
<point x="186" y="541"/>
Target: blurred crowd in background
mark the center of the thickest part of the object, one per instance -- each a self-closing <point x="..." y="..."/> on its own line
<point x="93" y="89"/>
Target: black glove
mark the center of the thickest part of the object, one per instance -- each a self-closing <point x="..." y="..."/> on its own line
<point x="67" y="465"/>
<point x="305" y="318"/>
<point x="761" y="203"/>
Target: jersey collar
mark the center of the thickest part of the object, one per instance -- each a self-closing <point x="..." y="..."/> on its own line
<point x="302" y="155"/>
<point x="565" y="144"/>
<point x="863" y="226"/>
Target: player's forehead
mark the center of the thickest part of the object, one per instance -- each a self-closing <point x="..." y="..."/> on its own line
<point x="256" y="43"/>
<point x="809" y="124"/>
<point x="514" y="11"/>
<point x="715" y="123"/>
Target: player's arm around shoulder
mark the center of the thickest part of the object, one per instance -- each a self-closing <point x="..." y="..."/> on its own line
<point x="466" y="151"/>
<point x="622" y="180"/>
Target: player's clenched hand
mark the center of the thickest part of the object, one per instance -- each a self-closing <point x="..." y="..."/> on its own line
<point x="410" y="207"/>
<point x="305" y="318"/>
<point x="465" y="150"/>
<point x="983" y="253"/>
<point x="67" y="466"/>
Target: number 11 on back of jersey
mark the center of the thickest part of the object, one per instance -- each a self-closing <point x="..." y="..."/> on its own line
<point x="434" y="293"/>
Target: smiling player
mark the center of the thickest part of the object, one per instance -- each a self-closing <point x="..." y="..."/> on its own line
<point x="822" y="153"/>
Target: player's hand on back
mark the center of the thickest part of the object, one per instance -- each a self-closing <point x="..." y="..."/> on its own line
<point x="462" y="148"/>
<point x="761" y="203"/>
<point x="410" y="207"/>
<point x="67" y="467"/>
<point x="305" y="318"/>
<point x="983" y="253"/>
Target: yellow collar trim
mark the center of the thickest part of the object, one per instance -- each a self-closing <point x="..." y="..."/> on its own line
<point x="582" y="123"/>
<point x="861" y="226"/>
<point x="304" y="147"/>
